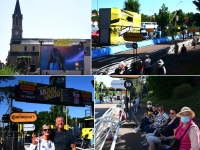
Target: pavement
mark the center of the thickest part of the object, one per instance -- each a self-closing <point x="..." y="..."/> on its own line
<point x="128" y="138"/>
<point x="173" y="67"/>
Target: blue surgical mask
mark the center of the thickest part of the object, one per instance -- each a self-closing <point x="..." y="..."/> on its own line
<point x="185" y="119"/>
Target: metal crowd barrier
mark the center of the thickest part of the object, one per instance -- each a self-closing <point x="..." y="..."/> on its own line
<point x="107" y="126"/>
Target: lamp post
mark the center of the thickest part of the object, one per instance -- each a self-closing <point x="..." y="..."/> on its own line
<point x="177" y="15"/>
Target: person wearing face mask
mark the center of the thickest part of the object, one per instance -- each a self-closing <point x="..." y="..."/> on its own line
<point x="167" y="130"/>
<point x="43" y="142"/>
<point x="191" y="140"/>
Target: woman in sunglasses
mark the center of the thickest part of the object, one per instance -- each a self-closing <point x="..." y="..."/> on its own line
<point x="43" y="142"/>
<point x="167" y="130"/>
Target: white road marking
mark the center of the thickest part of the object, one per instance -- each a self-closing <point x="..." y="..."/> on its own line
<point x="106" y="59"/>
<point x="123" y="58"/>
<point x="98" y="58"/>
<point x="96" y="113"/>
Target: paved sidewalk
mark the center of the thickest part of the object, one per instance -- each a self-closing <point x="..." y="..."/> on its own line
<point x="128" y="138"/>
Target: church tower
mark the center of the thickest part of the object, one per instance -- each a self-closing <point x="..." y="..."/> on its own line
<point x="17" y="23"/>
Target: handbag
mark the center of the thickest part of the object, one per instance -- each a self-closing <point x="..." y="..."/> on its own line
<point x="175" y="144"/>
<point x="157" y="133"/>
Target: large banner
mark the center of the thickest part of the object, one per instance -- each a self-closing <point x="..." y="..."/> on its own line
<point x="62" y="57"/>
<point x="51" y="94"/>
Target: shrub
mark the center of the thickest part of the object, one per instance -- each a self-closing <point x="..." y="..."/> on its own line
<point x="150" y="94"/>
<point x="182" y="91"/>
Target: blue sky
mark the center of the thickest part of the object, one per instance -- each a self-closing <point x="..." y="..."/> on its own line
<point x="77" y="82"/>
<point x="147" y="5"/>
<point x="46" y="19"/>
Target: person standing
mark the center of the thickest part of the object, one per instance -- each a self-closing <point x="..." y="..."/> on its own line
<point x="183" y="52"/>
<point x="43" y="142"/>
<point x="176" y="47"/>
<point x="194" y="43"/>
<point x="147" y="65"/>
<point x="62" y="139"/>
<point x="135" y="105"/>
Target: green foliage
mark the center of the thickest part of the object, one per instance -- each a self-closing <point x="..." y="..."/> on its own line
<point x="182" y="91"/>
<point x="145" y="18"/>
<point x="8" y="70"/>
<point x="197" y="4"/>
<point x="163" y="86"/>
<point x="95" y="18"/>
<point x="132" y="5"/>
<point x="150" y="93"/>
<point x="164" y="17"/>
<point x="5" y="92"/>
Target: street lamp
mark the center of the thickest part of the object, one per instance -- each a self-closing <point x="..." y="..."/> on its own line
<point x="177" y="14"/>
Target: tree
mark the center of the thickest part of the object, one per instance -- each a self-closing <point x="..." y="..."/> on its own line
<point x="145" y="18"/>
<point x="22" y="63"/>
<point x="164" y="17"/>
<point x="163" y="87"/>
<point x="132" y="5"/>
<point x="197" y="4"/>
<point x="6" y="91"/>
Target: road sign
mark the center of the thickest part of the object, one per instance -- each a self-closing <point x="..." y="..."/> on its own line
<point x="23" y="117"/>
<point x="117" y="83"/>
<point x="193" y="30"/>
<point x="15" y="109"/>
<point x="57" y="81"/>
<point x="128" y="84"/>
<point x="28" y="127"/>
<point x="132" y="37"/>
<point x="135" y="45"/>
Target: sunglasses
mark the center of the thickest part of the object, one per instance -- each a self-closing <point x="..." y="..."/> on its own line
<point x="46" y="129"/>
<point x="186" y="115"/>
<point x="159" y="109"/>
<point x="172" y="113"/>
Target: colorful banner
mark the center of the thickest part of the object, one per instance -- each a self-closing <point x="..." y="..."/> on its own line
<point x="63" y="42"/>
<point x="62" y="57"/>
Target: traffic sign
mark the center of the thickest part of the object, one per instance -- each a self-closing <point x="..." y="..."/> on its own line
<point x="128" y="84"/>
<point x="117" y="83"/>
<point x="135" y="45"/>
<point x="23" y="117"/>
<point x="15" y="109"/>
<point x="28" y="127"/>
<point x="132" y="37"/>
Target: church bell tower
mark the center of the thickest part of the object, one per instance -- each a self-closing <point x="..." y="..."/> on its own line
<point x="17" y="22"/>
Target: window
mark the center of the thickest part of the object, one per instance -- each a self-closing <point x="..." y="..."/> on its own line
<point x="17" y="19"/>
<point x="25" y="48"/>
<point x="33" y="48"/>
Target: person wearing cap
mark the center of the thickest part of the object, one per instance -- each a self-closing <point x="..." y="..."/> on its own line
<point x="191" y="140"/>
<point x="160" y="68"/>
<point x="146" y="119"/>
<point x="147" y="65"/>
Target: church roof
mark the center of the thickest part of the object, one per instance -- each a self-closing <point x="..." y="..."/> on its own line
<point x="45" y="41"/>
<point x="17" y="9"/>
